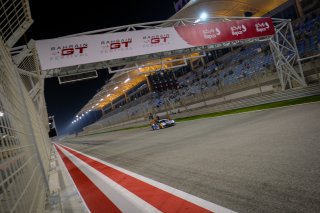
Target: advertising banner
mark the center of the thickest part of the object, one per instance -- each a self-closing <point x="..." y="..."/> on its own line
<point x="64" y="52"/>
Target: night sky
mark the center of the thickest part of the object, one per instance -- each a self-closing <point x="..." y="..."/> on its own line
<point x="64" y="17"/>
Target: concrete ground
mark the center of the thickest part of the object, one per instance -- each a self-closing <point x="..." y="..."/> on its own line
<point x="63" y="196"/>
<point x="264" y="161"/>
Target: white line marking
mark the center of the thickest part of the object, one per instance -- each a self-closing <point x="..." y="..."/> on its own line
<point x="188" y="197"/>
<point x="121" y="197"/>
<point x="65" y="170"/>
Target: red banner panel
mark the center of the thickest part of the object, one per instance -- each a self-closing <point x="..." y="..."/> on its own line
<point x="212" y="33"/>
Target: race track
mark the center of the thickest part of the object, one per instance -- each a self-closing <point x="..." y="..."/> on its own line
<point x="265" y="161"/>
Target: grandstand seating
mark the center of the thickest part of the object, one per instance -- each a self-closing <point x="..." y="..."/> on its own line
<point x="308" y="35"/>
<point x="237" y="65"/>
<point x="241" y="63"/>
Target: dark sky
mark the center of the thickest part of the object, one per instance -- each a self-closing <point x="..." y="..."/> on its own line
<point x="64" y="17"/>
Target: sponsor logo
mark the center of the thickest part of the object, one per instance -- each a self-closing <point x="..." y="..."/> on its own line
<point x="116" y="45"/>
<point x="238" y="30"/>
<point x="211" y="33"/>
<point x="262" y="27"/>
<point x="156" y="40"/>
<point x="68" y="51"/>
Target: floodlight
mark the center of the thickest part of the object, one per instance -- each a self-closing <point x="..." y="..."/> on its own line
<point x="203" y="16"/>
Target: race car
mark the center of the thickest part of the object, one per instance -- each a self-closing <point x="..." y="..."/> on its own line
<point x="163" y="123"/>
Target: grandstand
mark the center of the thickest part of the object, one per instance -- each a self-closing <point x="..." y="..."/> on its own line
<point x="208" y="76"/>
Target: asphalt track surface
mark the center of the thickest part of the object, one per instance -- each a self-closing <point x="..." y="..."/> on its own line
<point x="264" y="161"/>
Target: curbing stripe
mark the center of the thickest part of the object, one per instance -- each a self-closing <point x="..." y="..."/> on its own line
<point x="161" y="196"/>
<point x="95" y="200"/>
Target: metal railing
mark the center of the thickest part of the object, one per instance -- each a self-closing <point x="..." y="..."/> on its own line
<point x="309" y="57"/>
<point x="24" y="143"/>
<point x="15" y="19"/>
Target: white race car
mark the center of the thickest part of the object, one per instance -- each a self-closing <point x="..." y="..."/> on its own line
<point x="163" y="123"/>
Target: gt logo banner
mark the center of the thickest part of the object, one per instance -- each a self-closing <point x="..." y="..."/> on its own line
<point x="70" y="51"/>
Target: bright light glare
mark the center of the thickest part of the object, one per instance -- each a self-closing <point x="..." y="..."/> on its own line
<point x="108" y="95"/>
<point x="128" y="79"/>
<point x="101" y="99"/>
<point x="1" y="114"/>
<point x="82" y="115"/>
<point x="77" y="116"/>
<point x="97" y="104"/>
<point x="203" y="16"/>
<point x="116" y="88"/>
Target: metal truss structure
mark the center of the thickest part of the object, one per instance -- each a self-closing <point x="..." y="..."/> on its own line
<point x="286" y="56"/>
<point x="282" y="44"/>
<point x="27" y="65"/>
<point x="130" y="63"/>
